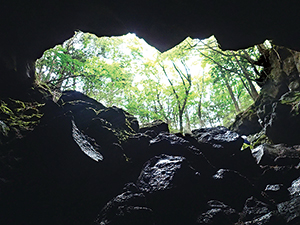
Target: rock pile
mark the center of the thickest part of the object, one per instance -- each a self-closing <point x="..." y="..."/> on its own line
<point x="84" y="163"/>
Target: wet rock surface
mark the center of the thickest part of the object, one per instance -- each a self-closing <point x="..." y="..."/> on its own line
<point x="84" y="163"/>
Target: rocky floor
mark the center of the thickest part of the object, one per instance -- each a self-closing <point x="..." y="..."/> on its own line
<point x="84" y="163"/>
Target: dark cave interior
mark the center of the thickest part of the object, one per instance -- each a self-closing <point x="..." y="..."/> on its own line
<point x="146" y="175"/>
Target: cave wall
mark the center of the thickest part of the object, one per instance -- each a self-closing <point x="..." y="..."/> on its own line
<point x="30" y="27"/>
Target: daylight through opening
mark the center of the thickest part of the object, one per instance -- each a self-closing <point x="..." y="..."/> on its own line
<point x="193" y="85"/>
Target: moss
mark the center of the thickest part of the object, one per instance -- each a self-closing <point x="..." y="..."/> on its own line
<point x="19" y="116"/>
<point x="290" y="98"/>
<point x="259" y="138"/>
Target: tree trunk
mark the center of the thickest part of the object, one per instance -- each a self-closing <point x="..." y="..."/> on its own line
<point x="188" y="123"/>
<point x="180" y="121"/>
<point x="235" y="102"/>
<point x="254" y="93"/>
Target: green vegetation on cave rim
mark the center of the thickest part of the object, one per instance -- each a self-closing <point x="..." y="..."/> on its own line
<point x="195" y="84"/>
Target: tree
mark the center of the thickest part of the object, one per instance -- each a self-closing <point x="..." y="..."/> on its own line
<point x="192" y="85"/>
<point x="233" y="70"/>
<point x="61" y="66"/>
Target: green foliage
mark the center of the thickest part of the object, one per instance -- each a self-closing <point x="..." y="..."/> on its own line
<point x="18" y="117"/>
<point x="195" y="84"/>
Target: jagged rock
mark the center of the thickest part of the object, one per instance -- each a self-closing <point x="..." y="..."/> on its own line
<point x="61" y="167"/>
<point x="218" y="144"/>
<point x="279" y="155"/>
<point x="85" y="109"/>
<point x="170" y="184"/>
<point x="276" y="192"/>
<point x="166" y="185"/>
<point x="290" y="210"/>
<point x="171" y="144"/>
<point x="129" y="207"/>
<point x="245" y="164"/>
<point x="282" y="125"/>
<point x="277" y="107"/>
<point x="218" y="213"/>
<point x="294" y="189"/>
<point x="219" y="137"/>
<point x="81" y="154"/>
<point x="246" y="122"/>
<point x="229" y="187"/>
<point x="157" y="126"/>
<point x="258" y="213"/>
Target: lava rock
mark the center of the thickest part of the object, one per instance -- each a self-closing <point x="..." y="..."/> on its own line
<point x="218" y="213"/>
<point x="157" y="126"/>
<point x="129" y="207"/>
<point x="259" y="213"/>
<point x="170" y="185"/>
<point x="218" y="144"/>
<point x="290" y="210"/>
<point x="229" y="187"/>
<point x="276" y="193"/>
<point x="294" y="189"/>
<point x="171" y="144"/>
<point x="280" y="155"/>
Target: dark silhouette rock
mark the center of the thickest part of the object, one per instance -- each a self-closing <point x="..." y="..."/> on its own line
<point x="290" y="210"/>
<point x="276" y="192"/>
<point x="257" y="212"/>
<point x="157" y="126"/>
<point x="171" y="144"/>
<point x="130" y="207"/>
<point x="167" y="184"/>
<point x="230" y="187"/>
<point x="218" y="144"/>
<point x="218" y="213"/>
<point x="279" y="155"/>
<point x="74" y="162"/>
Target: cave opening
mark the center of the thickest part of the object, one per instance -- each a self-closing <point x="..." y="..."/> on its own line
<point x="195" y="84"/>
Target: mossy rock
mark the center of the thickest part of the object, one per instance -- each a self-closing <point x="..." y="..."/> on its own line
<point x="259" y="138"/>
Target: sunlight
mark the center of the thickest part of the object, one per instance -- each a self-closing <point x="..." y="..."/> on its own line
<point x="195" y="84"/>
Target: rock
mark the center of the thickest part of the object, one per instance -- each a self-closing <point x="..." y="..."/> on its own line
<point x="218" y="213"/>
<point x="170" y="184"/>
<point x="218" y="137"/>
<point x="259" y="213"/>
<point x="171" y="144"/>
<point x="282" y="126"/>
<point x="246" y="122"/>
<point x="276" y="193"/>
<point x="294" y="189"/>
<point x="81" y="153"/>
<point x="280" y="155"/>
<point x="166" y="185"/>
<point x="230" y="187"/>
<point x="85" y="109"/>
<point x="245" y="164"/>
<point x="217" y="144"/>
<point x="290" y="210"/>
<point x="129" y="207"/>
<point x="157" y="126"/>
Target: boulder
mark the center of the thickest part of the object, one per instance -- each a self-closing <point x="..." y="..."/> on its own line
<point x="218" y="144"/>
<point x="157" y="126"/>
<point x="259" y="213"/>
<point x="218" y="213"/>
<point x="279" y="155"/>
<point x="230" y="187"/>
<point x="166" y="185"/>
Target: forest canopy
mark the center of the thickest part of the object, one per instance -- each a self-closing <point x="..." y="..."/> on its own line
<point x="195" y="84"/>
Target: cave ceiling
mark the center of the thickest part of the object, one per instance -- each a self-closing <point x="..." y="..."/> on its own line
<point x="30" y="27"/>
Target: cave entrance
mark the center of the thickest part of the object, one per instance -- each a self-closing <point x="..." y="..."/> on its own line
<point x="195" y="84"/>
